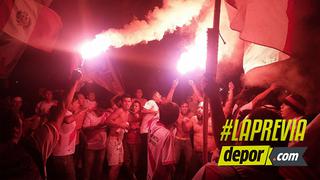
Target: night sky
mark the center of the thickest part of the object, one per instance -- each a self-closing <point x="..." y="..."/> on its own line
<point x="150" y="66"/>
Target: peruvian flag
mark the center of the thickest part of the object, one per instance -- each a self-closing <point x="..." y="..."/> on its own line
<point x="30" y="22"/>
<point x="10" y="52"/>
<point x="263" y="22"/>
<point x="269" y="29"/>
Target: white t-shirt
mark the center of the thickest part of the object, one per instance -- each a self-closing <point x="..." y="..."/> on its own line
<point x="67" y="142"/>
<point x="92" y="119"/>
<point x="148" y="118"/>
<point x="96" y="139"/>
<point x="161" y="149"/>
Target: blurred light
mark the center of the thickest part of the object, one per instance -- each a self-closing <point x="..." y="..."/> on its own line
<point x="94" y="48"/>
<point x="195" y="56"/>
<point x="185" y="63"/>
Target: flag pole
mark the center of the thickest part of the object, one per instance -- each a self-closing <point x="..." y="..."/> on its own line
<point x="211" y="70"/>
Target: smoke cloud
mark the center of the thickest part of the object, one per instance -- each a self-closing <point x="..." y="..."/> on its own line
<point x="299" y="75"/>
<point x="173" y="14"/>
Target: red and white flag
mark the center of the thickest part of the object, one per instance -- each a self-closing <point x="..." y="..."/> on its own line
<point x="263" y="22"/>
<point x="265" y="26"/>
<point x="102" y="72"/>
<point x="10" y="52"/>
<point x="30" y="22"/>
<point x="257" y="55"/>
<point x="25" y="22"/>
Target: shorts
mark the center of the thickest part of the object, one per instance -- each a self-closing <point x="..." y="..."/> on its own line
<point x="115" y="151"/>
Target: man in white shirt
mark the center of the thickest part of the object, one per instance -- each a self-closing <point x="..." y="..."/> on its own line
<point x="61" y="163"/>
<point x="161" y="152"/>
<point x="150" y="113"/>
<point x="95" y="144"/>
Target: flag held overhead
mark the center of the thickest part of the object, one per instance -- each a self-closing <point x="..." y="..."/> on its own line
<point x="30" y="22"/>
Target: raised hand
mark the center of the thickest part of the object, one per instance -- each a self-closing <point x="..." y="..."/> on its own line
<point x="76" y="75"/>
<point x="175" y="83"/>
<point x="274" y="86"/>
<point x="191" y="82"/>
<point x="231" y="85"/>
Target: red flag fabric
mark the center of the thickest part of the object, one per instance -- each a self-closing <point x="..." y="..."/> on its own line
<point x="10" y="52"/>
<point x="25" y="22"/>
<point x="257" y="55"/>
<point x="102" y="73"/>
<point x="262" y="22"/>
<point x="30" y="22"/>
<point x="288" y="26"/>
<point x="264" y="27"/>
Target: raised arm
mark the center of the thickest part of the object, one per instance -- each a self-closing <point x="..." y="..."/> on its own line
<point x="46" y="136"/>
<point x="172" y="90"/>
<point x="75" y="80"/>
<point x="147" y="109"/>
<point x="195" y="90"/>
<point x="263" y="95"/>
<point x="228" y="105"/>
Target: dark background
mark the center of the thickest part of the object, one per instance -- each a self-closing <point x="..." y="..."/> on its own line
<point x="153" y="65"/>
<point x="149" y="66"/>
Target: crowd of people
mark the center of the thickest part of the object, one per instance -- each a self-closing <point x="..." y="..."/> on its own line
<point x="72" y="137"/>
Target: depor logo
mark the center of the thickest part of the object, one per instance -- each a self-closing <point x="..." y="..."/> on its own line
<point x="261" y="155"/>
